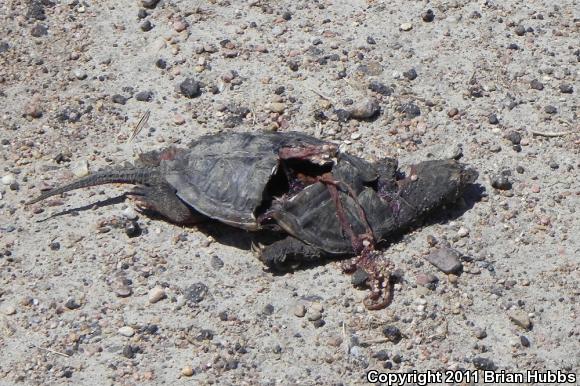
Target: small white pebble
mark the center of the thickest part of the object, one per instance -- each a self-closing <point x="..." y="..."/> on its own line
<point x="126" y="331"/>
<point x="8" y="179"/>
<point x="156" y="294"/>
<point x="462" y="232"/>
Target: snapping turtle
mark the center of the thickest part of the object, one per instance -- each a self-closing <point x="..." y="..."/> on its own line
<point x="329" y="203"/>
<point x="343" y="221"/>
<point x="225" y="177"/>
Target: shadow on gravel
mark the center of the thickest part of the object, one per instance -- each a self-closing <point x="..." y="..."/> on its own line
<point x="241" y="239"/>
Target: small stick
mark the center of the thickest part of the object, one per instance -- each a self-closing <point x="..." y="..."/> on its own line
<point x="551" y="133"/>
<point x="142" y="122"/>
<point x="51" y="351"/>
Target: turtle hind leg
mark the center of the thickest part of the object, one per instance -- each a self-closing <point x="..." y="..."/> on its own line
<point x="161" y="200"/>
<point x="288" y="253"/>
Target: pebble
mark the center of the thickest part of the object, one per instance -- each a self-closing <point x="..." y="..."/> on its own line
<point x="277" y="107"/>
<point x="187" y="371"/>
<point x="8" y="179"/>
<point x="550" y="109"/>
<point x="146" y="26"/>
<point x="190" y="88"/>
<point x="132" y="229"/>
<point x="149" y="4"/>
<point x="178" y="119"/>
<point x="462" y="232"/>
<point x="566" y="88"/>
<point x="130" y="214"/>
<point x="452" y="112"/>
<point x="520" y="30"/>
<point x="80" y="74"/>
<point x="196" y="292"/>
<point x="128" y="352"/>
<point x="8" y="309"/>
<point x="380" y="88"/>
<point x="72" y="304"/>
<point x="365" y="109"/>
<point x="299" y="310"/>
<point x="126" y="331"/>
<point x="180" y="25"/>
<point x="39" y="30"/>
<point x="492" y="119"/>
<point x="359" y="277"/>
<point x="521" y="319"/>
<point x="428" y="16"/>
<point x="524" y="341"/>
<point x="411" y="74"/>
<point x="406" y="27"/>
<point x="119" y="99"/>
<point x="514" y="137"/>
<point x="216" y="262"/>
<point x="371" y="40"/>
<point x="318" y="307"/>
<point x="426" y="280"/>
<point x="123" y="290"/>
<point x="156" y="294"/>
<point x="536" y="85"/>
<point x="501" y="182"/>
<point x="144" y="96"/>
<point x="481" y="363"/>
<point x="393" y="334"/>
<point x="446" y="259"/>
<point x="314" y="315"/>
<point x="480" y="333"/>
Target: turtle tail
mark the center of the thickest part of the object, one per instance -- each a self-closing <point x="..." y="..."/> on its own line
<point x="144" y="176"/>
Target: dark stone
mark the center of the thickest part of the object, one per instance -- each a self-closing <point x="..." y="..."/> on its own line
<point x="380" y="88"/>
<point x="393" y="334"/>
<point x="39" y="30"/>
<point x="149" y="4"/>
<point x="492" y="119"/>
<point x="410" y="109"/>
<point x="279" y="90"/>
<point x="232" y="364"/>
<point x="341" y="74"/>
<point x="128" y="352"/>
<point x="397" y="358"/>
<point x="371" y="40"/>
<point x="514" y="137"/>
<point x="293" y="65"/>
<point x="428" y="16"/>
<point x="36" y="9"/>
<point x="501" y="182"/>
<point x="142" y="14"/>
<point x="196" y="292"/>
<point x="144" y="96"/>
<point x="69" y="115"/>
<point x="233" y="121"/>
<point x="524" y="341"/>
<point x="4" y="47"/>
<point x="318" y="323"/>
<point x="146" y="26"/>
<point x="446" y="259"/>
<point x="513" y="46"/>
<point x="268" y="309"/>
<point x="287" y="16"/>
<point x="566" y="88"/>
<point x="161" y="63"/>
<point x="481" y="363"/>
<point x="319" y="116"/>
<point x="72" y="304"/>
<point x="14" y="186"/>
<point x="550" y="109"/>
<point x="204" y="334"/>
<point x="190" y="88"/>
<point x="536" y="85"/>
<point x="359" y="277"/>
<point x="520" y="30"/>
<point x="132" y="229"/>
<point x="54" y="246"/>
<point x="520" y="169"/>
<point x="381" y="355"/>
<point x="342" y="115"/>
<point x="119" y="99"/>
<point x="411" y="74"/>
<point x="216" y="262"/>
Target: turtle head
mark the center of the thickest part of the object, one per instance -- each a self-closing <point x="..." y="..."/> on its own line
<point x="431" y="184"/>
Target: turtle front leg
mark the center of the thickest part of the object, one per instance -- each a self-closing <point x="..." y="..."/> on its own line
<point x="287" y="253"/>
<point x="161" y="199"/>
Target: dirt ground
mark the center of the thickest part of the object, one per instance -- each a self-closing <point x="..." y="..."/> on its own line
<point x="82" y="303"/>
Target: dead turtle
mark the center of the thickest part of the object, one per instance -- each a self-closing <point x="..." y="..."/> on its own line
<point x="344" y="221"/>
<point x="226" y="177"/>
